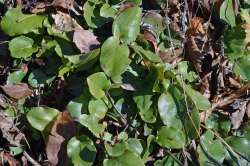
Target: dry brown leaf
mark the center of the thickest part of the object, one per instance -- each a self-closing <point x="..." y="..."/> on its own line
<point x="6" y="157"/>
<point x="66" y="4"/>
<point x="196" y="27"/>
<point x="63" y="129"/>
<point x="85" y="40"/>
<point x="237" y="117"/>
<point x="63" y="22"/>
<point x="248" y="110"/>
<point x="17" y="91"/>
<point x="9" y="131"/>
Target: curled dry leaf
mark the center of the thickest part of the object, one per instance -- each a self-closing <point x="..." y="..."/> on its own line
<point x="63" y="129"/>
<point x="196" y="27"/>
<point x="85" y="40"/>
<point x="63" y="22"/>
<point x="17" y="91"/>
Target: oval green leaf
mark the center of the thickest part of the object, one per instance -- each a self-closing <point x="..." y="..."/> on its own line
<point x="98" y="83"/>
<point x="40" y="117"/>
<point x="170" y="137"/>
<point x="127" y="24"/>
<point x="21" y="47"/>
<point x="114" y="57"/>
<point x="167" y="109"/>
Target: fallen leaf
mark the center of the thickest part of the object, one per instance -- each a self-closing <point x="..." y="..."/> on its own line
<point x="237" y="117"/>
<point x="17" y="91"/>
<point x="9" y="131"/>
<point x="248" y="110"/>
<point x="196" y="27"/>
<point x="63" y="22"/>
<point x="9" y="159"/>
<point x="85" y="40"/>
<point x="63" y="129"/>
<point x="66" y="4"/>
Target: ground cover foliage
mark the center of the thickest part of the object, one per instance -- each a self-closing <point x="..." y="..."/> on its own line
<point x="124" y="82"/>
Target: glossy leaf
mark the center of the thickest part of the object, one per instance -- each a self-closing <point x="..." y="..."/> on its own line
<point x="20" y="23"/>
<point x="126" y="25"/>
<point x="97" y="108"/>
<point x="81" y="150"/>
<point x="227" y="12"/>
<point x="92" y="15"/>
<point x="37" y="78"/>
<point x="116" y="150"/>
<point x="92" y="123"/>
<point x="41" y="117"/>
<point x="114" y="57"/>
<point x="170" y="137"/>
<point x="210" y="150"/>
<point x="146" y="54"/>
<point x="241" y="67"/>
<point x="167" y="109"/>
<point x="146" y="111"/>
<point x="21" y="47"/>
<point x="240" y="144"/>
<point x="127" y="158"/>
<point x="15" y="77"/>
<point x="98" y="83"/>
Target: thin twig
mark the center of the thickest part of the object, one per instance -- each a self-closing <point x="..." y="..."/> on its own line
<point x="30" y="159"/>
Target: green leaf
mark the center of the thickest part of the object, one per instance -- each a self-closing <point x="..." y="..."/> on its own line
<point x="200" y="101"/>
<point x="210" y="150"/>
<point x="170" y="137"/>
<point x="240" y="145"/>
<point x="241" y="67"/>
<point x="192" y="123"/>
<point x="126" y="26"/>
<point x="234" y="39"/>
<point x="98" y="83"/>
<point x="107" y="11"/>
<point x="40" y="117"/>
<point x="227" y="12"/>
<point x="97" y="108"/>
<point x="21" y="47"/>
<point x="116" y="150"/>
<point x="15" y="77"/>
<point x="92" y="15"/>
<point x="37" y="78"/>
<point x="146" y="54"/>
<point x="83" y="62"/>
<point x="167" y="109"/>
<point x="135" y="146"/>
<point x="219" y="123"/>
<point x="16" y="150"/>
<point x="15" y="22"/>
<point x="92" y="123"/>
<point x="149" y="147"/>
<point x="114" y="57"/>
<point x="81" y="151"/>
<point x="166" y="161"/>
<point x="146" y="110"/>
<point x="79" y="105"/>
<point x="126" y="159"/>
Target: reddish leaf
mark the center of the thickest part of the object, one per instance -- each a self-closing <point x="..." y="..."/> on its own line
<point x="63" y="129"/>
<point x="9" y="159"/>
<point x="17" y="91"/>
<point x="85" y="40"/>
